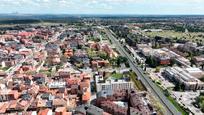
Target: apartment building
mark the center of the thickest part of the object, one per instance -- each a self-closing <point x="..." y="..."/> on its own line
<point x="182" y="77"/>
<point x="111" y="84"/>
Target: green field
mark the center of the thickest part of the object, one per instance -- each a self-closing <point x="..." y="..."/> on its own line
<point x="178" y="107"/>
<point x="4" y="68"/>
<point x="192" y="36"/>
<point x="117" y="76"/>
<point x="138" y="83"/>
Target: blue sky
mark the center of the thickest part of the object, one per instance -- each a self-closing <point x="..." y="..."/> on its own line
<point x="103" y="6"/>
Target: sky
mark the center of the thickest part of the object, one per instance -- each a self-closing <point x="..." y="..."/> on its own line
<point x="138" y="7"/>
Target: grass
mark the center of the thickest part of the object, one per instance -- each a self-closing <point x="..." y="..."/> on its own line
<point x="173" y="101"/>
<point x="4" y="68"/>
<point x="117" y="75"/>
<point x="138" y="83"/>
<point x="30" y="72"/>
<point x="173" y="34"/>
<point x="178" y="107"/>
<point x="47" y="72"/>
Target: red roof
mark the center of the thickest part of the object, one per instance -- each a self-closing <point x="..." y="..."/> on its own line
<point x="26" y="34"/>
<point x="86" y="96"/>
<point x="44" y="112"/>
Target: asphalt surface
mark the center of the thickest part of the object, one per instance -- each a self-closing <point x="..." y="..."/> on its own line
<point x="169" y="107"/>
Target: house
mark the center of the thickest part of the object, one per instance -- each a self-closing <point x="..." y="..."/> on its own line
<point x="3" y="74"/>
<point x="68" y="53"/>
<point x="3" y="107"/>
<point x="88" y="110"/>
<point x="64" y="74"/>
<point x="7" y="95"/>
<point x="108" y="50"/>
<point x="56" y="85"/>
<point x="99" y="63"/>
<point x="39" y="78"/>
<point x="45" y="112"/>
<point x="80" y="57"/>
<point x="60" y="111"/>
<point x="86" y="96"/>
<point x="8" y="63"/>
<point x="25" y="34"/>
<point x="59" y="103"/>
<point x="94" y="45"/>
<point x="38" y="38"/>
<point x="12" y="105"/>
<point x="53" y="53"/>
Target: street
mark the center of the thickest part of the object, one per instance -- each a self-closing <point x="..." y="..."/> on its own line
<point x="169" y="108"/>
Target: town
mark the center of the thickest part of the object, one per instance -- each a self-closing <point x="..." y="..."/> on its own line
<point x="92" y="67"/>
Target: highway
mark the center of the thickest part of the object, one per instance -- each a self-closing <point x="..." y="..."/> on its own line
<point x="169" y="107"/>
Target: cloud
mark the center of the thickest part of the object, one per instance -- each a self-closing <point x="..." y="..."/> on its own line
<point x="103" y="6"/>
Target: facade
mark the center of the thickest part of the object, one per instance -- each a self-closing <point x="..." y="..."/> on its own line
<point x="162" y="57"/>
<point x="114" y="85"/>
<point x="198" y="60"/>
<point x="53" y="53"/>
<point x="125" y="102"/>
<point x="88" y="110"/>
<point x="178" y="58"/>
<point x="182" y="77"/>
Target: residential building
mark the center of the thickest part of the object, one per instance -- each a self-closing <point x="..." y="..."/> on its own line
<point x="111" y="84"/>
<point x="177" y="74"/>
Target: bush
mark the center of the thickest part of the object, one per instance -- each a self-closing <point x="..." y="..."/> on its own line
<point x="157" y="69"/>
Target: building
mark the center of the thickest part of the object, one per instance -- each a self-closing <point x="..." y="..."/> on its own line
<point x="111" y="84"/>
<point x="125" y="102"/>
<point x="53" y="53"/>
<point x="45" y="112"/>
<point x="162" y="57"/>
<point x="6" y="95"/>
<point x="196" y="72"/>
<point x="56" y="84"/>
<point x="182" y="77"/>
<point x="88" y="110"/>
<point x="198" y="60"/>
<point x="178" y="58"/>
<point x="99" y="63"/>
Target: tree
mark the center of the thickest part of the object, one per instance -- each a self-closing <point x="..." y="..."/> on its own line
<point x="113" y="61"/>
<point x="202" y="106"/>
<point x="202" y="66"/>
<point x="63" y="51"/>
<point x="179" y="86"/>
<point x="121" y="59"/>
<point x="172" y="62"/>
<point x="157" y="38"/>
<point x="157" y="69"/>
<point x="151" y="61"/>
<point x="103" y="55"/>
<point x="166" y="93"/>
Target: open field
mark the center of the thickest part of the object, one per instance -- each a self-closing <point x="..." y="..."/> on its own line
<point x="192" y="36"/>
<point x="138" y="84"/>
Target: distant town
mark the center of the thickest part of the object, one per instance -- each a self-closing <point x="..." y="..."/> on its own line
<point x="102" y="65"/>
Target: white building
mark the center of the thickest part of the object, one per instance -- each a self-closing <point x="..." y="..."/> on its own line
<point x="181" y="76"/>
<point x="111" y="84"/>
<point x="57" y="84"/>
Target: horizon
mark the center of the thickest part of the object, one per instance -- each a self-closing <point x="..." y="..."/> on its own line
<point x="103" y="7"/>
<point x="140" y="15"/>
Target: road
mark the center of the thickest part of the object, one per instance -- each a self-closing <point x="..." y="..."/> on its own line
<point x="169" y="107"/>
